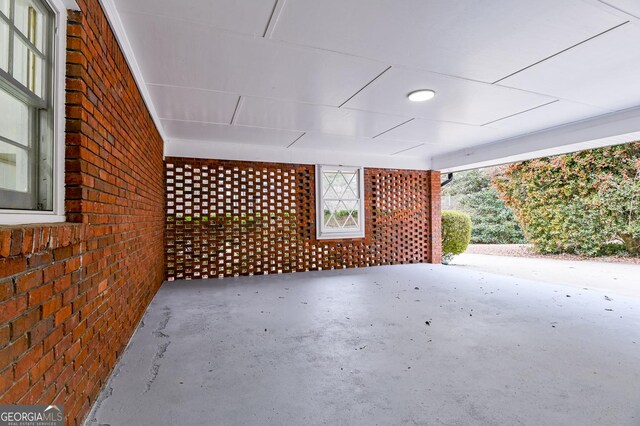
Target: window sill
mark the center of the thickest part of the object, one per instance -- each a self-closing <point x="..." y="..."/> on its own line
<point x="27" y="217"/>
<point x="353" y="236"/>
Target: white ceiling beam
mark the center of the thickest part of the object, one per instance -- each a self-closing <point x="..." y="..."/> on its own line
<point x="605" y="130"/>
<point x="248" y="152"/>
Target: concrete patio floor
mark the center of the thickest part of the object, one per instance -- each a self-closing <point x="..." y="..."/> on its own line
<point x="409" y="344"/>
<point x="614" y="278"/>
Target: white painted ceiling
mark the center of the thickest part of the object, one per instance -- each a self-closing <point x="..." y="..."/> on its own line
<point x="326" y="81"/>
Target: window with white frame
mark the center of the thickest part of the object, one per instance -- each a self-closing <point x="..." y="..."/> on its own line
<point x="340" y="202"/>
<point x="26" y="105"/>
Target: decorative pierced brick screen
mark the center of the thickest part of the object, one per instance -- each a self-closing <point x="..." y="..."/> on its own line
<point x="229" y="218"/>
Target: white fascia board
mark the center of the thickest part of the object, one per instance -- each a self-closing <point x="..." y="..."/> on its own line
<point x="565" y="149"/>
<point x="113" y="17"/>
<point x="247" y="152"/>
<point x="608" y="129"/>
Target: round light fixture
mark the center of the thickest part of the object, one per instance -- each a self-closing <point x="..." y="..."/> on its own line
<point x="421" y="95"/>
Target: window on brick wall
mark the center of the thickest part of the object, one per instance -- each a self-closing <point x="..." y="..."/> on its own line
<point x="26" y="105"/>
<point x="340" y="202"/>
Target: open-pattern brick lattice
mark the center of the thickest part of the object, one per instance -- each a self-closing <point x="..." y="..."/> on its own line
<point x="229" y="218"/>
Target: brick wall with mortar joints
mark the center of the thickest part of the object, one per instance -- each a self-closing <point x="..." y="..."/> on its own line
<point x="71" y="294"/>
<point x="230" y="218"/>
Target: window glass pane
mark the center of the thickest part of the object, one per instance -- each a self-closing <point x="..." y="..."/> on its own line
<point x="350" y="214"/>
<point x="14" y="168"/>
<point x="327" y="184"/>
<point x="330" y="215"/>
<point x="45" y="163"/>
<point x="4" y="7"/>
<point x="27" y="67"/>
<point x="4" y="45"/>
<point x="339" y="184"/>
<point x="26" y="125"/>
<point x="351" y="189"/>
<point x="29" y="20"/>
<point x="14" y="119"/>
<point x="327" y="177"/>
<point x="340" y="201"/>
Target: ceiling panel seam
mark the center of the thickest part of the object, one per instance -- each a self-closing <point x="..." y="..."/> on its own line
<point x="619" y="9"/>
<point x="394" y="127"/>
<point x="273" y="18"/>
<point x="276" y="15"/>
<point x="221" y="123"/>
<point x="521" y="112"/>
<point x="408" y="149"/>
<point x="365" y="86"/>
<point x="297" y="139"/>
<point x="271" y="21"/>
<point x="560" y="52"/>
<point x="281" y="99"/>
<point x="236" y="110"/>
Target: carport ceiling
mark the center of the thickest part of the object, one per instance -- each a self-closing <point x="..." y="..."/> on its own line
<point x="327" y="81"/>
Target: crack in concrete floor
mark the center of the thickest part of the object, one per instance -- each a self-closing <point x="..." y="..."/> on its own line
<point x="161" y="348"/>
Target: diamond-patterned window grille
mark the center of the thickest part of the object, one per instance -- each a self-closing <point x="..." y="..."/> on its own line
<point x="340" y="202"/>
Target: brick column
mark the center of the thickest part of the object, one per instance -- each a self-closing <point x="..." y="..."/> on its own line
<point x="435" y="232"/>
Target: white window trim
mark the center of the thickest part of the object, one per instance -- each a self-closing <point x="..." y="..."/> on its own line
<point x="325" y="235"/>
<point x="23" y="217"/>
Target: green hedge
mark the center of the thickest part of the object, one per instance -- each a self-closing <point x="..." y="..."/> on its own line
<point x="456" y="233"/>
<point x="341" y="214"/>
<point x="585" y="203"/>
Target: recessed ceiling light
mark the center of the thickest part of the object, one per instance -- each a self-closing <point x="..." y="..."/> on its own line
<point x="421" y="95"/>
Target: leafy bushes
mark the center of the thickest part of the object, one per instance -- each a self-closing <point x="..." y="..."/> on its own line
<point x="456" y="233"/>
<point x="341" y="214"/>
<point x="620" y="203"/>
<point x="584" y="203"/>
<point x="493" y="221"/>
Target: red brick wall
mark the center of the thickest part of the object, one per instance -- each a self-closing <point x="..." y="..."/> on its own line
<point x="227" y="218"/>
<point x="71" y="294"/>
<point x="435" y="212"/>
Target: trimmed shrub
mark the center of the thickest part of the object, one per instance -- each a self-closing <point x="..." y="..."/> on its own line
<point x="493" y="222"/>
<point x="456" y="233"/>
